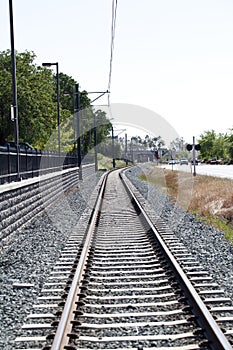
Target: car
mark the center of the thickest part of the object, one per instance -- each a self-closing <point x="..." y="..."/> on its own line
<point x="184" y="161"/>
<point x="24" y="147"/>
<point x="8" y="145"/>
<point x="214" y="160"/>
<point x="172" y="161"/>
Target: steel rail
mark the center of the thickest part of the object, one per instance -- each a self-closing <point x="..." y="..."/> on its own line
<point x="214" y="334"/>
<point x="61" y="338"/>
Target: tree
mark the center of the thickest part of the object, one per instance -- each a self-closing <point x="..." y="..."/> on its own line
<point x="36" y="108"/>
<point x="106" y="148"/>
<point x="88" y="120"/>
<point x="229" y="141"/>
<point x="153" y="143"/>
<point x="68" y="97"/>
<point x="220" y="146"/>
<point x="216" y="145"/>
<point x="206" y="142"/>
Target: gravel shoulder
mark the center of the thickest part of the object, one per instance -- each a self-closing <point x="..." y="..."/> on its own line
<point x="206" y="243"/>
<point x="27" y="256"/>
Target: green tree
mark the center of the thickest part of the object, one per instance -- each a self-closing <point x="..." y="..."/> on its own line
<point x="220" y="146"/>
<point x="216" y="145"/>
<point x="153" y="143"/>
<point x="6" y="124"/>
<point x="206" y="142"/>
<point x="106" y="148"/>
<point x="68" y="94"/>
<point x="230" y="144"/>
<point x="36" y="108"/>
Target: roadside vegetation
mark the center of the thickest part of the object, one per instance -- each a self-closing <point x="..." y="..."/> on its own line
<point x="210" y="198"/>
<point x="37" y="107"/>
<point x="215" y="145"/>
<point x="106" y="163"/>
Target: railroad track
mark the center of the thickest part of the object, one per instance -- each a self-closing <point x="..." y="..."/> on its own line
<point x="127" y="285"/>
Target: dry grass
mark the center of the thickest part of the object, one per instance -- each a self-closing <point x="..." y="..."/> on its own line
<point x="213" y="196"/>
<point x="209" y="197"/>
<point x="106" y="162"/>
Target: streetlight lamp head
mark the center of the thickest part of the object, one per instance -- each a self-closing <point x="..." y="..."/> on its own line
<point x="46" y="64"/>
<point x="49" y="64"/>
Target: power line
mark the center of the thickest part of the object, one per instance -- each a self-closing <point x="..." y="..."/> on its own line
<point x="113" y="30"/>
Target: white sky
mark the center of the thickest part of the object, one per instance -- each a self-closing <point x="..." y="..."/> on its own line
<point x="174" y="57"/>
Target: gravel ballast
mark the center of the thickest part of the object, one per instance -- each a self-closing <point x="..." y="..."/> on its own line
<point x="205" y="242"/>
<point x="27" y="257"/>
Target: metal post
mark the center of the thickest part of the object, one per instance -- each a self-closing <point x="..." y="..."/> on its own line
<point x="58" y="112"/>
<point x="78" y="130"/>
<point x="95" y="144"/>
<point x="131" y="151"/>
<point x="14" y="89"/>
<point x="126" y="150"/>
<point x="113" y="150"/>
<point x="58" y="104"/>
<point x="194" y="157"/>
<point x="74" y="121"/>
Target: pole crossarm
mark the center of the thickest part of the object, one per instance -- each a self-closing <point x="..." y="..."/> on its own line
<point x="102" y="93"/>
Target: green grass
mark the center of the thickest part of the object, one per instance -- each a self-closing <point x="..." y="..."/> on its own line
<point x="221" y="224"/>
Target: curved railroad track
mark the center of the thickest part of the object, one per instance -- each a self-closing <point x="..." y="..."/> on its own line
<point x="127" y="285"/>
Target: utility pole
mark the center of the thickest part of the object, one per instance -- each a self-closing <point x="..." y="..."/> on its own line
<point x="78" y="130"/>
<point x="193" y="148"/>
<point x="102" y="93"/>
<point x="194" y="158"/>
<point x="14" y="90"/>
<point x="48" y="64"/>
<point x="126" y="150"/>
<point x="113" y="150"/>
<point x="58" y="112"/>
<point x="95" y="144"/>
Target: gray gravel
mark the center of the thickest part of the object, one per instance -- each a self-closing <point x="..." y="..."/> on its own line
<point x="28" y="255"/>
<point x="206" y="243"/>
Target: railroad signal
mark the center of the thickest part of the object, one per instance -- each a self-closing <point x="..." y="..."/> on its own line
<point x="196" y="147"/>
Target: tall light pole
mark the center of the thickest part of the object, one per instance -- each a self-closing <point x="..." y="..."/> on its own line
<point x="76" y="106"/>
<point x="113" y="150"/>
<point x="14" y="89"/>
<point x="77" y="109"/>
<point x="101" y="93"/>
<point x="95" y="144"/>
<point x="58" y="102"/>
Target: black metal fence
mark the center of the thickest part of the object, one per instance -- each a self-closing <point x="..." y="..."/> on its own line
<point x="32" y="164"/>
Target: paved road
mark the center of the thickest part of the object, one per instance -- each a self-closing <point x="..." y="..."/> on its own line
<point x="204" y="169"/>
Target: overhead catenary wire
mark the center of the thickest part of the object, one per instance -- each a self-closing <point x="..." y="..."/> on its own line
<point x="113" y="30"/>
